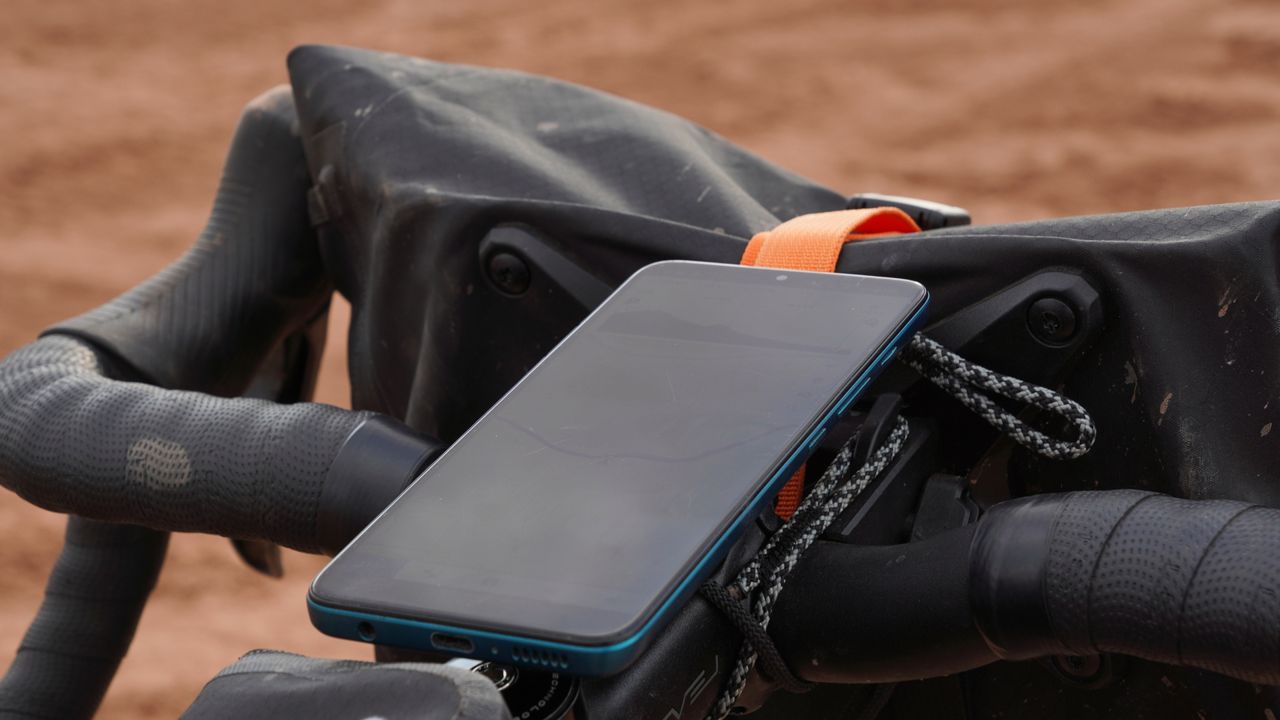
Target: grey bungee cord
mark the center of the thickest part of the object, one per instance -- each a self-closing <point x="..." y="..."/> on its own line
<point x="748" y="601"/>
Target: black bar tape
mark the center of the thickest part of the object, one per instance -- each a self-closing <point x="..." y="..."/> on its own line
<point x="91" y="607"/>
<point x="1180" y="581"/>
<point x="253" y="277"/>
<point x="74" y="441"/>
<point x="1184" y="582"/>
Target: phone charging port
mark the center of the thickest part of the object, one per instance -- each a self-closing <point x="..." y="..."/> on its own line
<point x="452" y="643"/>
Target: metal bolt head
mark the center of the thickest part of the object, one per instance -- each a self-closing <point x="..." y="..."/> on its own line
<point x="508" y="272"/>
<point x="1089" y="672"/>
<point x="1051" y="321"/>
<point x="503" y="676"/>
<point x="1082" y="667"/>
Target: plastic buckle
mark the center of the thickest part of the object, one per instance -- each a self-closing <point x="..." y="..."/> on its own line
<point x="928" y="215"/>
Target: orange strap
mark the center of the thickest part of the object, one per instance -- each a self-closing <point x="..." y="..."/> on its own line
<point x="813" y="242"/>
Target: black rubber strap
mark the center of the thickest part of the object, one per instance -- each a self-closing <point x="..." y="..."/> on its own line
<point x="769" y="660"/>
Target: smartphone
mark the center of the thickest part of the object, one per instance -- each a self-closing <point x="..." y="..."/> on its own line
<point x="569" y="523"/>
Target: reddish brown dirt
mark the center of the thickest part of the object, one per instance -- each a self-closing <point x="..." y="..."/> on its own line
<point x="114" y="118"/>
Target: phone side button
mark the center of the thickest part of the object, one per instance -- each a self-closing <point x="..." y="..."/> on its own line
<point x="844" y="404"/>
<point x="849" y="398"/>
<point x="816" y="437"/>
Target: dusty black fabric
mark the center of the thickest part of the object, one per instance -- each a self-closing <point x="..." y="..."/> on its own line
<point x="427" y="157"/>
<point x="270" y="685"/>
<point x="422" y="159"/>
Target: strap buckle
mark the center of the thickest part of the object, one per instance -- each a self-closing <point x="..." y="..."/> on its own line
<point x="928" y="215"/>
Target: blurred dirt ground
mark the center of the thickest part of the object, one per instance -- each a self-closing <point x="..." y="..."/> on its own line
<point x="114" y="118"/>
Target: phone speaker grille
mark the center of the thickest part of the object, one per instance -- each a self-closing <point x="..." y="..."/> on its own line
<point x="538" y="656"/>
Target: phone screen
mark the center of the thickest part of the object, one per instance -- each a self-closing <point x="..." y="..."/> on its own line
<point x="576" y="505"/>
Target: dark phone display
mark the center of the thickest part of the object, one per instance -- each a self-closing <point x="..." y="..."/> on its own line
<point x="574" y="507"/>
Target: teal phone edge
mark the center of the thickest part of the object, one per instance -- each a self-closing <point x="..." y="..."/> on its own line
<point x="604" y="659"/>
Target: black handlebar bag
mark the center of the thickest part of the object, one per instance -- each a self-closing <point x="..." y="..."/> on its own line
<point x="473" y="217"/>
